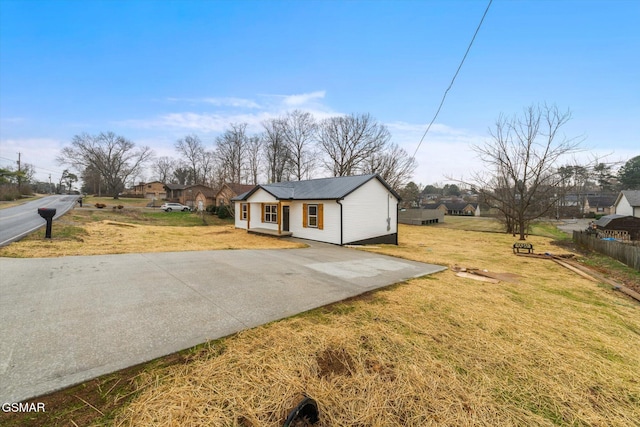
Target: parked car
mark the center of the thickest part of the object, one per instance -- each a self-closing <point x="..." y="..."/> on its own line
<point x="168" y="207"/>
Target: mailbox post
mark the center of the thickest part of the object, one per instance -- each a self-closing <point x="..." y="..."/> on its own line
<point x="48" y="215"/>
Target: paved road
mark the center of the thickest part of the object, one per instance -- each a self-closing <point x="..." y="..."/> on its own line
<point x="571" y="225"/>
<point x="18" y="221"/>
<point x="67" y="320"/>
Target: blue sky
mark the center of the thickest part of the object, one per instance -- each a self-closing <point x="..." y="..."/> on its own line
<point x="155" y="71"/>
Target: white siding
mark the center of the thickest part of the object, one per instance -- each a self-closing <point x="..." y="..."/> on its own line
<point x="624" y="207"/>
<point x="255" y="215"/>
<point x="331" y="221"/>
<point x="239" y="223"/>
<point x="366" y="210"/>
<point x="261" y="196"/>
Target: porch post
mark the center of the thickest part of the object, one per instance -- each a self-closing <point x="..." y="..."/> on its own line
<point x="248" y="215"/>
<point x="279" y="217"/>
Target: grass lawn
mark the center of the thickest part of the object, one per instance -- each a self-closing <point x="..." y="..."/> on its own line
<point x="549" y="348"/>
<point x="471" y="223"/>
<point x="111" y="202"/>
<point x="90" y="231"/>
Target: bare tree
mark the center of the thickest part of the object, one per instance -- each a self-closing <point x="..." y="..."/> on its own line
<point x="276" y="150"/>
<point x="207" y="167"/>
<point x="520" y="162"/>
<point x="114" y="157"/>
<point x="254" y="148"/>
<point x="182" y="175"/>
<point x="192" y="151"/>
<point x="163" y="167"/>
<point x="394" y="165"/>
<point x="230" y="151"/>
<point x="299" y="130"/>
<point x="348" y="141"/>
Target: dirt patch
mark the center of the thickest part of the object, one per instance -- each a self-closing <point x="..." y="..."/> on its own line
<point x="334" y="361"/>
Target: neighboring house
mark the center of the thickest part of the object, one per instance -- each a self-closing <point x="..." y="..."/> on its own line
<point x="343" y="210"/>
<point x="190" y="195"/>
<point x="441" y="207"/>
<point x="149" y="190"/>
<point x="456" y="208"/>
<point x="628" y="203"/>
<point x="623" y="227"/>
<point x="599" y="204"/>
<point x="229" y="191"/>
<point x="420" y="216"/>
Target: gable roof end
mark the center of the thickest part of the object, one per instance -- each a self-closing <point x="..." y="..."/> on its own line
<point x="633" y="197"/>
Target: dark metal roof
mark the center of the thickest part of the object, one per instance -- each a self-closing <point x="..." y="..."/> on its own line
<point x="172" y="186"/>
<point x="601" y="200"/>
<point x="316" y="189"/>
<point x="605" y="220"/>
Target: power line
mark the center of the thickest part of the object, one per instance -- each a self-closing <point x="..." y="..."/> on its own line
<point x="453" y="79"/>
<point x="35" y="166"/>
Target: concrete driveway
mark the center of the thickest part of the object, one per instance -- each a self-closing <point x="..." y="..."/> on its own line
<point x="67" y="320"/>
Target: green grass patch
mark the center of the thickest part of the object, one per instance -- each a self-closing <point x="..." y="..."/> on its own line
<point x="59" y="232"/>
<point x="493" y="225"/>
<point x="145" y="217"/>
<point x="612" y="266"/>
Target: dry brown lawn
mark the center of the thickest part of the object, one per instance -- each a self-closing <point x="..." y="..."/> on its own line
<point x="552" y="349"/>
<point x="114" y="237"/>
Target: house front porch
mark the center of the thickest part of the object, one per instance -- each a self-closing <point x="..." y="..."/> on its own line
<point x="269" y="232"/>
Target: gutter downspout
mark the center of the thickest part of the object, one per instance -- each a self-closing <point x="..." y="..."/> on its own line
<point x="338" y="202"/>
<point x="397" y="217"/>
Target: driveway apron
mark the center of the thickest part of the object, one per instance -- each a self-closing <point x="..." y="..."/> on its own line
<point x="67" y="320"/>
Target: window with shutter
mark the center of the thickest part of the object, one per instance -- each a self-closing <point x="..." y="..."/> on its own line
<point x="312" y="216"/>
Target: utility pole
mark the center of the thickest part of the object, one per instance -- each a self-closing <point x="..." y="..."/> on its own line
<point x="19" y="175"/>
<point x="50" y="185"/>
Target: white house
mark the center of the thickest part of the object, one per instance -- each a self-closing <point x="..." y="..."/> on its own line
<point x="343" y="210"/>
<point x="628" y="203"/>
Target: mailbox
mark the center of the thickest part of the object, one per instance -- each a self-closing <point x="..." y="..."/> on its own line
<point x="47" y="214"/>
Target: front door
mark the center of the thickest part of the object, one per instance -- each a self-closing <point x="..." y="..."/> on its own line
<point x="285" y="218"/>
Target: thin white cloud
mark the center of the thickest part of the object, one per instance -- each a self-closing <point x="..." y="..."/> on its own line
<point x="220" y="102"/>
<point x="232" y="102"/>
<point x="303" y="98"/>
<point x="218" y="121"/>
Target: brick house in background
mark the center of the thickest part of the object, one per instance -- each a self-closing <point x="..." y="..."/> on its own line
<point x="455" y="208"/>
<point x="190" y="195"/>
<point x="149" y="190"/>
<point x="229" y="191"/>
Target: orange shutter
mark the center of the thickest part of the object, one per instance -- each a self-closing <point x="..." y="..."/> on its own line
<point x="262" y="212"/>
<point x="278" y="217"/>
<point x="320" y="216"/>
<point x="304" y="215"/>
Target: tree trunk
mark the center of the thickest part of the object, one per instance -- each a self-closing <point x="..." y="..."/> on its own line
<point x="521" y="224"/>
